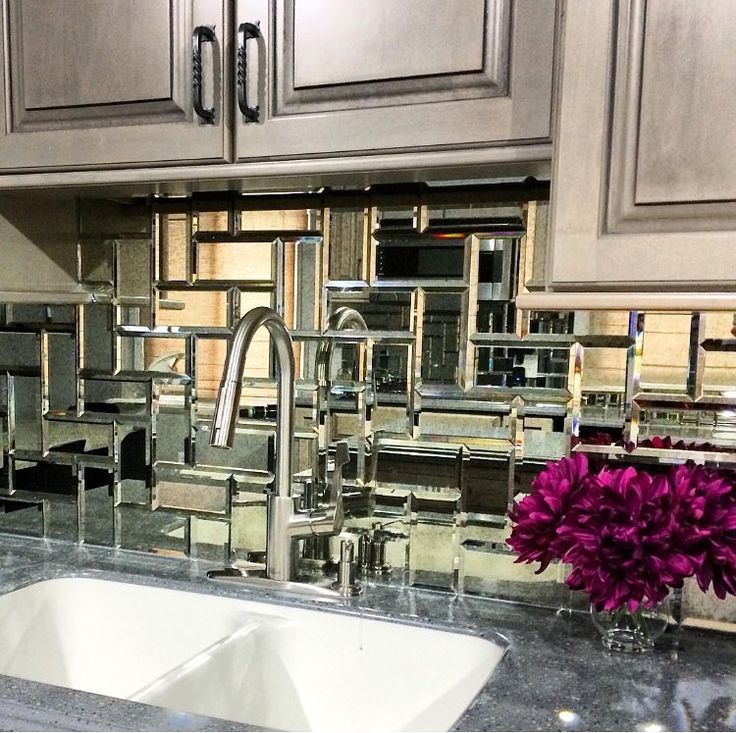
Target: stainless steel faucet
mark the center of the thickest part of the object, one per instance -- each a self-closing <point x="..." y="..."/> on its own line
<point x="285" y="523"/>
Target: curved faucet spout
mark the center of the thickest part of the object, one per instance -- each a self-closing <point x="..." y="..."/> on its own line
<point x="342" y="318"/>
<point x="228" y="396"/>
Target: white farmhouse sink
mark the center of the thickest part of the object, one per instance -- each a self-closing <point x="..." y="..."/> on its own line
<point x="267" y="665"/>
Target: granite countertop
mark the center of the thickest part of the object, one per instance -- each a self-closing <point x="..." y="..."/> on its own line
<point x="554" y="676"/>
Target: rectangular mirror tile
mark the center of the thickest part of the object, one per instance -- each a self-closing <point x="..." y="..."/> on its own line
<point x="114" y="397"/>
<point x="210" y="539"/>
<point x="241" y="261"/>
<point x="274" y="219"/>
<point x="212" y="221"/>
<point x="61" y="360"/>
<point x="302" y="275"/>
<point x="443" y="337"/>
<point x="174" y="251"/>
<point x="192" y="308"/>
<point x="249" y="526"/>
<point x="22" y="518"/>
<point x="350" y="243"/>
<point x="159" y="532"/>
<point x="133" y="267"/>
<point x="250" y="449"/>
<point x="177" y="489"/>
<point x="96" y="262"/>
<point x="97" y="338"/>
<point x="665" y="363"/>
<point x="107" y="218"/>
<point x="25" y="407"/>
<point x="98" y="508"/>
<point x="172" y="428"/>
<point x="62" y="519"/>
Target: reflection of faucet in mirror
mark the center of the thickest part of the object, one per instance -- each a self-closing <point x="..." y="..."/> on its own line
<point x="342" y="319"/>
<point x="284" y="523"/>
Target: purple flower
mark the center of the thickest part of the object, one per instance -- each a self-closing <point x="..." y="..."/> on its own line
<point x="630" y="534"/>
<point x="538" y="516"/>
<point x="707" y="525"/>
<point x="621" y="540"/>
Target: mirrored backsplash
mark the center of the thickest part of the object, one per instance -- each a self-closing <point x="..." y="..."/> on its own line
<point x="451" y="399"/>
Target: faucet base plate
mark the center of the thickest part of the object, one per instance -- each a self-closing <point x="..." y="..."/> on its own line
<point x="257" y="579"/>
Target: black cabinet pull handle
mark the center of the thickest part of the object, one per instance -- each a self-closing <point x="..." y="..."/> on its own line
<point x="202" y="34"/>
<point x="246" y="31"/>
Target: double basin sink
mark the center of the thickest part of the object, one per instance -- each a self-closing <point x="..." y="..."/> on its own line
<point x="262" y="664"/>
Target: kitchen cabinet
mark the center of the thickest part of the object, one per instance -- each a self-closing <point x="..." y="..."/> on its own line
<point x="644" y="187"/>
<point x="357" y="76"/>
<point x="99" y="86"/>
<point x="91" y="83"/>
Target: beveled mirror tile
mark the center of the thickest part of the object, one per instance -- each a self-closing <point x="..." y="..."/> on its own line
<point x="23" y="518"/>
<point x="104" y="217"/>
<point x="212" y="221"/>
<point x="210" y="539"/>
<point x="114" y="397"/>
<point x="249" y="528"/>
<point x="133" y="267"/>
<point x="192" y="308"/>
<point x="58" y="379"/>
<point x="302" y="274"/>
<point x="174" y="251"/>
<point x="159" y="532"/>
<point x="350" y="244"/>
<point x="95" y="261"/>
<point x="522" y="365"/>
<point x="432" y="552"/>
<point x="97" y="338"/>
<point x="236" y="261"/>
<point x="62" y="520"/>
<point x="250" y="450"/>
<point x="191" y="493"/>
<point x="172" y="428"/>
<point x="274" y="219"/>
<point x="665" y="363"/>
<point x="98" y="508"/>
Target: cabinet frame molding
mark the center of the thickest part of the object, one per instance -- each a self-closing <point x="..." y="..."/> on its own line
<point x="661" y="252"/>
<point x="172" y="108"/>
<point x="491" y="80"/>
<point x="624" y="212"/>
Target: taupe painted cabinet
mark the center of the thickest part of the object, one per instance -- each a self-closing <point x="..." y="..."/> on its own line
<point x="644" y="193"/>
<point x="91" y="83"/>
<point x="108" y="83"/>
<point x="385" y="75"/>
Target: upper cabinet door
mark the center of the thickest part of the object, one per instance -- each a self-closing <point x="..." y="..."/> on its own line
<point x="109" y="82"/>
<point x="645" y="177"/>
<point x="385" y="75"/>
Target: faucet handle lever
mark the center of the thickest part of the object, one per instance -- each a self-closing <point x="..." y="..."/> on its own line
<point x="342" y="456"/>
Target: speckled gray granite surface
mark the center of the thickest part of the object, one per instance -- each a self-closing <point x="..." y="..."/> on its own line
<point x="554" y="676"/>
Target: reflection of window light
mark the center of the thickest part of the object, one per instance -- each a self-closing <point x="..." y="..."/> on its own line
<point x="727" y="413"/>
<point x="652" y="728"/>
<point x="730" y="394"/>
<point x="567" y="716"/>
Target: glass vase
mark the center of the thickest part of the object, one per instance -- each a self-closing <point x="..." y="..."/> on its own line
<point x="631" y="632"/>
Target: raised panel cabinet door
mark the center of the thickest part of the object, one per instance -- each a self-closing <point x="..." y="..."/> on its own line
<point x="111" y="82"/>
<point x="360" y="76"/>
<point x="645" y="185"/>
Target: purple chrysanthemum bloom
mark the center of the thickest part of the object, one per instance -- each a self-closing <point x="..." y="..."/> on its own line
<point x="621" y="540"/>
<point x="707" y="525"/>
<point x="538" y="516"/>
